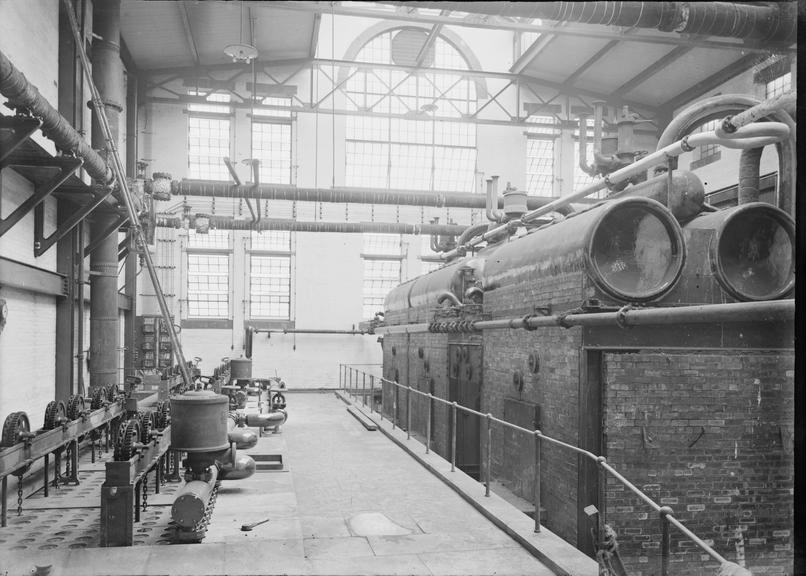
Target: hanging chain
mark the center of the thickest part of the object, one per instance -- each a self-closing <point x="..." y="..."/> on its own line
<point x="19" y="495"/>
<point x="57" y="471"/>
<point x="145" y="492"/>
<point x="68" y="464"/>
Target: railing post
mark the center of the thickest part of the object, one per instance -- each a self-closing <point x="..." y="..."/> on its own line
<point x="371" y="393"/>
<point x="489" y="442"/>
<point x="453" y="436"/>
<point x="382" y="393"/>
<point x="537" y="481"/>
<point x="665" y="540"/>
<point x="408" y="413"/>
<point x="428" y="424"/>
<point x="364" y="387"/>
<point x="341" y="387"/>
<point x="350" y="388"/>
<point x="394" y="408"/>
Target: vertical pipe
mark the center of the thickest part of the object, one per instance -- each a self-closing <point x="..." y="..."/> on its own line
<point x="537" y="481"/>
<point x="364" y="387"/>
<point x="371" y="393"/>
<point x="129" y="317"/>
<point x="453" y="436"/>
<point x="107" y="74"/>
<point x="428" y="424"/>
<point x="408" y="412"/>
<point x="80" y="296"/>
<point x="489" y="441"/>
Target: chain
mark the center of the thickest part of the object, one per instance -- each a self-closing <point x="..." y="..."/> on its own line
<point x="163" y="468"/>
<point x="68" y="464"/>
<point x="19" y="495"/>
<point x="57" y="471"/>
<point x="145" y="492"/>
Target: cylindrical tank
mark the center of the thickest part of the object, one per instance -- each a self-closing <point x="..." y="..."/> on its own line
<point x="750" y="250"/>
<point x="631" y="249"/>
<point x="685" y="199"/>
<point x="191" y="502"/>
<point x="199" y="421"/>
<point x="514" y="203"/>
<point x="240" y="368"/>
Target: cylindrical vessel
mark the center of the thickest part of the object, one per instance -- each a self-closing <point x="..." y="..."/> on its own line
<point x="199" y="421"/>
<point x="514" y="203"/>
<point x="685" y="198"/>
<point x="631" y="249"/>
<point x="749" y="249"/>
<point x="191" y="502"/>
<point x="240" y="368"/>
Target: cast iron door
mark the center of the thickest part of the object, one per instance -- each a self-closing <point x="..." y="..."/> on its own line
<point x="464" y="371"/>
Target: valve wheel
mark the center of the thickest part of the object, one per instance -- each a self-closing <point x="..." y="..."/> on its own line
<point x="278" y="401"/>
<point x="54" y="414"/>
<point x="127" y="437"/>
<point x="98" y="399"/>
<point x="16" y="424"/>
<point x="75" y="406"/>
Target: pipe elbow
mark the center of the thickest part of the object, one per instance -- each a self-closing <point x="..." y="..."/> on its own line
<point x="448" y="295"/>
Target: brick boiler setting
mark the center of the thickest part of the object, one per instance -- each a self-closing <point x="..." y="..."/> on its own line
<point x="430" y="288"/>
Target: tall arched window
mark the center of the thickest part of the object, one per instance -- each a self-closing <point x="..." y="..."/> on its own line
<point x="407" y="147"/>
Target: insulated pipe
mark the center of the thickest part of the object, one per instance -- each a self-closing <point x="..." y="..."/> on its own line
<point x="20" y="92"/>
<point x="266" y="420"/>
<point x="493" y="215"/>
<point x="773" y="311"/>
<point x="448" y="295"/>
<point x="227" y="223"/>
<point x="471" y="232"/>
<point x="583" y="146"/>
<point x="236" y="467"/>
<point x="207" y="189"/>
<point x="776" y="22"/>
<point x="107" y="74"/>
<point x="311" y="331"/>
<point x="719" y="107"/>
<point x="749" y="168"/>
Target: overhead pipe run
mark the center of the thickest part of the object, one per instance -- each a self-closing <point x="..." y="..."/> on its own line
<point x="208" y="189"/>
<point x="228" y="223"/>
<point x="773" y="23"/>
<point x="24" y="95"/>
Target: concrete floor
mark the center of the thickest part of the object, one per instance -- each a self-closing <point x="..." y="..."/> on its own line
<point x="349" y="501"/>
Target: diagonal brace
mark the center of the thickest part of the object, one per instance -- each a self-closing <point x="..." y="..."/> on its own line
<point x="40" y="193"/>
<point x="42" y="244"/>
<point x="22" y="126"/>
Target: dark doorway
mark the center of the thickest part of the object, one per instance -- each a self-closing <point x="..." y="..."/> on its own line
<point x="590" y="438"/>
<point x="464" y="370"/>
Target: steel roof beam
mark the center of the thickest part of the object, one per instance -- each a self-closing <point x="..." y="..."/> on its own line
<point x="651" y="70"/>
<point x="183" y="12"/>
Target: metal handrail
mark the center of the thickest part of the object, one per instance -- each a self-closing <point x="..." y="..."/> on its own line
<point x="665" y="513"/>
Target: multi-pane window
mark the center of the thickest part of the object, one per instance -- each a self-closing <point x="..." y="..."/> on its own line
<point x="708" y="153"/>
<point x="270" y="287"/>
<point x="540" y="146"/>
<point x="778" y="85"/>
<point x="382" y="256"/>
<point x="271" y="141"/>
<point x="270" y="275"/>
<point x="415" y="151"/>
<point x="208" y="285"/>
<point x="217" y="239"/>
<point x="380" y="276"/>
<point x="208" y="138"/>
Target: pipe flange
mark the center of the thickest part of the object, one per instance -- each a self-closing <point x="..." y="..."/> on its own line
<point x="526" y="325"/>
<point x="562" y="320"/>
<point x="621" y="316"/>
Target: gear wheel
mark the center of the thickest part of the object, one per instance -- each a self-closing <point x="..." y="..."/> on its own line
<point x="98" y="399"/>
<point x="127" y="437"/>
<point x="55" y="413"/>
<point x="146" y="426"/>
<point x="75" y="406"/>
<point x="16" y="423"/>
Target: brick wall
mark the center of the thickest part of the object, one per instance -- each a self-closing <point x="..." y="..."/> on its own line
<point x="709" y="434"/>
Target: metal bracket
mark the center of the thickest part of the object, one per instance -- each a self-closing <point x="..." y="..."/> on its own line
<point x="42" y="244"/>
<point x="22" y="127"/>
<point x="67" y="165"/>
<point x="111" y="229"/>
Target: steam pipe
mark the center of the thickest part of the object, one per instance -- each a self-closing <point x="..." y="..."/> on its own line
<point x="583" y="146"/>
<point x="448" y="295"/>
<point x="493" y="215"/>
<point x="21" y="93"/>
<point x="749" y="168"/>
<point x="227" y="223"/>
<point x="209" y="188"/>
<point x="772" y="311"/>
<point x="471" y="232"/>
<point x="310" y="331"/>
<point x="718" y="106"/>
<point x="771" y="23"/>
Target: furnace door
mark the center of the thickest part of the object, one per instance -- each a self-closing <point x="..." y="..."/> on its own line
<point x="465" y="364"/>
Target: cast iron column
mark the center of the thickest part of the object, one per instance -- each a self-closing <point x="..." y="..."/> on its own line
<point x="107" y="73"/>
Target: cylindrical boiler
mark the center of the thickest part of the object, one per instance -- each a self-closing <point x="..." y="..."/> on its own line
<point x="190" y="505"/>
<point x="199" y="421"/>
<point x="631" y="249"/>
<point x="748" y="249"/>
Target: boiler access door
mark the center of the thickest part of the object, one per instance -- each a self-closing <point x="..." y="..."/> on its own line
<point x="464" y="370"/>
